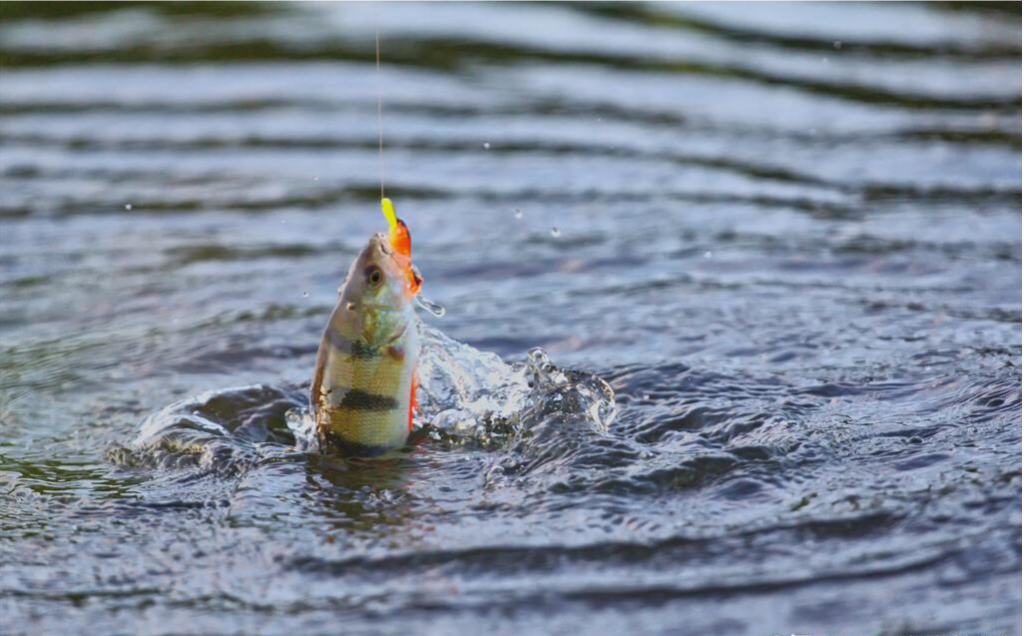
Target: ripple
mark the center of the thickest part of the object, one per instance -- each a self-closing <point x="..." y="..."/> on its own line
<point x="782" y="317"/>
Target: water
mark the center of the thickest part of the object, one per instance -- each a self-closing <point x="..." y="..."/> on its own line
<point x="789" y="242"/>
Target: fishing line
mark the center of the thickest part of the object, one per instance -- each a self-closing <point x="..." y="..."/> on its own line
<point x="380" y="99"/>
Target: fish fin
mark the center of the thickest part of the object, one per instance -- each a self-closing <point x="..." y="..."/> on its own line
<point x="401" y="240"/>
<point x="415" y="280"/>
<point x="413" y="406"/>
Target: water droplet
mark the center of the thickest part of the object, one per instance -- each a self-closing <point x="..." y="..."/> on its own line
<point x="519" y="214"/>
<point x="305" y="294"/>
<point x="555" y="232"/>
<point x="825" y="60"/>
<point x="837" y="45"/>
<point x="708" y="254"/>
<point x="128" y="206"/>
<point x="487" y="145"/>
<point x="316" y="178"/>
<point x="538" y="356"/>
<point x="436" y="309"/>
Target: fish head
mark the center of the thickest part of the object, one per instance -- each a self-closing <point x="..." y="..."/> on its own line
<point x="379" y="291"/>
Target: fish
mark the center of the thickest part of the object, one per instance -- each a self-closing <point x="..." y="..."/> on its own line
<point x="363" y="394"/>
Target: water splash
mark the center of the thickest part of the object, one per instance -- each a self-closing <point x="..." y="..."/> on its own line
<point x="558" y="390"/>
<point x="466" y="394"/>
<point x="436" y="309"/>
<point x="222" y="431"/>
<point x="467" y="398"/>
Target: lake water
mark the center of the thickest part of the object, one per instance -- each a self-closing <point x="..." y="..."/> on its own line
<point x="787" y="236"/>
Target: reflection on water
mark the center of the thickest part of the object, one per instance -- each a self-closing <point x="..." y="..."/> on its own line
<point x="787" y="236"/>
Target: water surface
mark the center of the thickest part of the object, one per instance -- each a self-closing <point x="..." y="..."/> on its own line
<point x="787" y="236"/>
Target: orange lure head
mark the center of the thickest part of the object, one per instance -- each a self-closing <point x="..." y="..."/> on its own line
<point x="401" y="243"/>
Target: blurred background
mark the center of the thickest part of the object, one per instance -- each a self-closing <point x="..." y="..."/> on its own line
<point x="789" y="236"/>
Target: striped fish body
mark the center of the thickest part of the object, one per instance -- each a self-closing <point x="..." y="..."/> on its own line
<point x="363" y="390"/>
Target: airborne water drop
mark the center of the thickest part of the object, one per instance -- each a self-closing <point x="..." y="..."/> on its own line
<point x="436" y="309"/>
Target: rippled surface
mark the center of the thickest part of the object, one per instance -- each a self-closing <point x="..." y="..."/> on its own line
<point x="787" y="236"/>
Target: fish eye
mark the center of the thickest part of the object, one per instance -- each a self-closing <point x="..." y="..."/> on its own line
<point x="374" y="276"/>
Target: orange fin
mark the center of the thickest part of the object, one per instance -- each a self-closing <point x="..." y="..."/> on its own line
<point x="413" y="406"/>
<point x="401" y="240"/>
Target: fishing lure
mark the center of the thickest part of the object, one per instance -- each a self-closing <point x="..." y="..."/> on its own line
<point x="364" y="388"/>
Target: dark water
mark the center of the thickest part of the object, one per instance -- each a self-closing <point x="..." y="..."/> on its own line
<point x="789" y="239"/>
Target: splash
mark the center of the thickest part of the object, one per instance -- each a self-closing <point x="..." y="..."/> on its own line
<point x="467" y="398"/>
<point x="436" y="309"/>
<point x="221" y="431"/>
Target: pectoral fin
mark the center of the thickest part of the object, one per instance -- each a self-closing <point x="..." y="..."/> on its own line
<point x="412" y="397"/>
